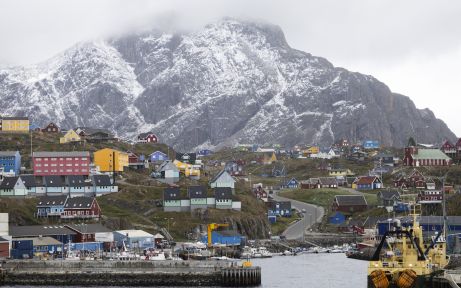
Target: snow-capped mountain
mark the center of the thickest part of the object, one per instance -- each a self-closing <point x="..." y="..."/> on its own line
<point x="231" y="82"/>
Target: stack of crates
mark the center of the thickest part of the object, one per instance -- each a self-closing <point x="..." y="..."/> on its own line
<point x="22" y="249"/>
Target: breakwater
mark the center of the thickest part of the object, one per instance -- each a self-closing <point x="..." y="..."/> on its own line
<point x="128" y="273"/>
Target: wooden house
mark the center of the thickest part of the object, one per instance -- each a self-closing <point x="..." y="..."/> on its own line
<point x="168" y="170"/>
<point x="103" y="185"/>
<point x="223" y="197"/>
<point x="51" y="206"/>
<point x="188" y="158"/>
<point x="14" y="124"/>
<point x="349" y="203"/>
<point x="367" y="183"/>
<point x="223" y="179"/>
<point x="430" y="197"/>
<point x="311" y="183"/>
<point x="328" y="182"/>
<point x="341" y="172"/>
<point x="31" y="185"/>
<point x="449" y="149"/>
<point x="54" y="185"/>
<point x="289" y="183"/>
<point x="91" y="233"/>
<point x="388" y="198"/>
<point x="51" y="128"/>
<point x="12" y="186"/>
<point x="148" y="137"/>
<point x="81" y="208"/>
<point x="198" y="197"/>
<point x="172" y="199"/>
<point x="158" y="156"/>
<point x="70" y="137"/>
<point x="76" y="185"/>
<point x="280" y="208"/>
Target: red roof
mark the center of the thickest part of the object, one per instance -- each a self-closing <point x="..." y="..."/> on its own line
<point x="366" y="180"/>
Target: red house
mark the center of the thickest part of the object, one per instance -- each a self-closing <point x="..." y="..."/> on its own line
<point x="132" y="158"/>
<point x="51" y="128"/>
<point x="349" y="203"/>
<point x="61" y="163"/>
<point x="147" y="138"/>
<point x="449" y="149"/>
<point x="416" y="157"/>
<point x="81" y="208"/>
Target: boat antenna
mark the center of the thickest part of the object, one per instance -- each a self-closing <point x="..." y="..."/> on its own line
<point x="444" y="210"/>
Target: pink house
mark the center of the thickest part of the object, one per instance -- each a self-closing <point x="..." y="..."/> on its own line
<point x="61" y="163"/>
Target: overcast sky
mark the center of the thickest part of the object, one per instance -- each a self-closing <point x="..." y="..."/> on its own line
<point x="414" y="46"/>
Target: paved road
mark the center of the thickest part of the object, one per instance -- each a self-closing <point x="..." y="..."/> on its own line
<point x="312" y="215"/>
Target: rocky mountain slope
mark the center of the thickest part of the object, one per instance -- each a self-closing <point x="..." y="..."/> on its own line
<point x="231" y="82"/>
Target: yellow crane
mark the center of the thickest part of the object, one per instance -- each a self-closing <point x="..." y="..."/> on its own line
<point x="211" y="228"/>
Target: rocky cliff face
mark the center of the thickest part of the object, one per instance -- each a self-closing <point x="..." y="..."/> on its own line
<point x="231" y="82"/>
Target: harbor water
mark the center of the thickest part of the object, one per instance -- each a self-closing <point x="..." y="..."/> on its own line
<point x="311" y="270"/>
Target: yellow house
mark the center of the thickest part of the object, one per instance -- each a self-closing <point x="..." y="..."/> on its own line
<point x="188" y="169"/>
<point x="109" y="160"/>
<point x="14" y="124"/>
<point x="313" y="150"/>
<point x="70" y="136"/>
<point x="341" y="172"/>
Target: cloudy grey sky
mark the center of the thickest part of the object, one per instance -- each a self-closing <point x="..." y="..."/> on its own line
<point x="414" y="46"/>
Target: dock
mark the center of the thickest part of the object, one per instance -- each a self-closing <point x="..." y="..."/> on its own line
<point x="128" y="273"/>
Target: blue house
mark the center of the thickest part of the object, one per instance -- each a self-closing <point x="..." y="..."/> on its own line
<point x="337" y="218"/>
<point x="292" y="183"/>
<point x="51" y="206"/>
<point x="204" y="152"/>
<point x="371" y="144"/>
<point x="43" y="245"/>
<point x="225" y="237"/>
<point x="282" y="208"/>
<point x="158" y="156"/>
<point x="10" y="162"/>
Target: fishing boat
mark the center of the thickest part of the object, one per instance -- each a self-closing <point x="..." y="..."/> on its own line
<point x="404" y="260"/>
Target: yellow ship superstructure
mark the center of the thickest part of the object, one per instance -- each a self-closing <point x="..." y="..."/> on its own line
<point x="403" y="259"/>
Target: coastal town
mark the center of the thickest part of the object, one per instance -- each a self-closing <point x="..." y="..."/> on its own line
<point x="85" y="194"/>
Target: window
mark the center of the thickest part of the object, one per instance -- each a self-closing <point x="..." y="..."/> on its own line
<point x="46" y="164"/>
<point x="45" y="159"/>
<point x="84" y="158"/>
<point x="38" y="159"/>
<point x="54" y="159"/>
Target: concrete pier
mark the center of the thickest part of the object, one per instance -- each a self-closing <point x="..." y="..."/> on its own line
<point x="128" y="273"/>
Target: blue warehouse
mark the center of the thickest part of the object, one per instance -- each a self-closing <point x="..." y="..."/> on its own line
<point x="10" y="162"/>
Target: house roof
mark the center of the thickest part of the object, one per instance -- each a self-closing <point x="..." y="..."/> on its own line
<point x="37" y="230"/>
<point x="157" y="152"/>
<point x="223" y="193"/>
<point x="367" y="180"/>
<point x="167" y="165"/>
<point x="3" y="239"/>
<point x="328" y="181"/>
<point x="8" y="153"/>
<point x="172" y="193"/>
<point x="192" y="156"/>
<point x="29" y="180"/>
<point x="89" y="130"/>
<point x="144" y="135"/>
<point x="196" y="192"/>
<point x="9" y="182"/>
<point x="53" y="181"/>
<point x="388" y="195"/>
<point x="222" y="174"/>
<point x="76" y="181"/>
<point x="134" y="233"/>
<point x="46" y="201"/>
<point x="41" y="241"/>
<point x="350" y="200"/>
<point x="88" y="228"/>
<point x="14" y="118"/>
<point x="62" y="154"/>
<point x="102" y="180"/>
<point x="79" y="203"/>
<point x="431" y="154"/>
